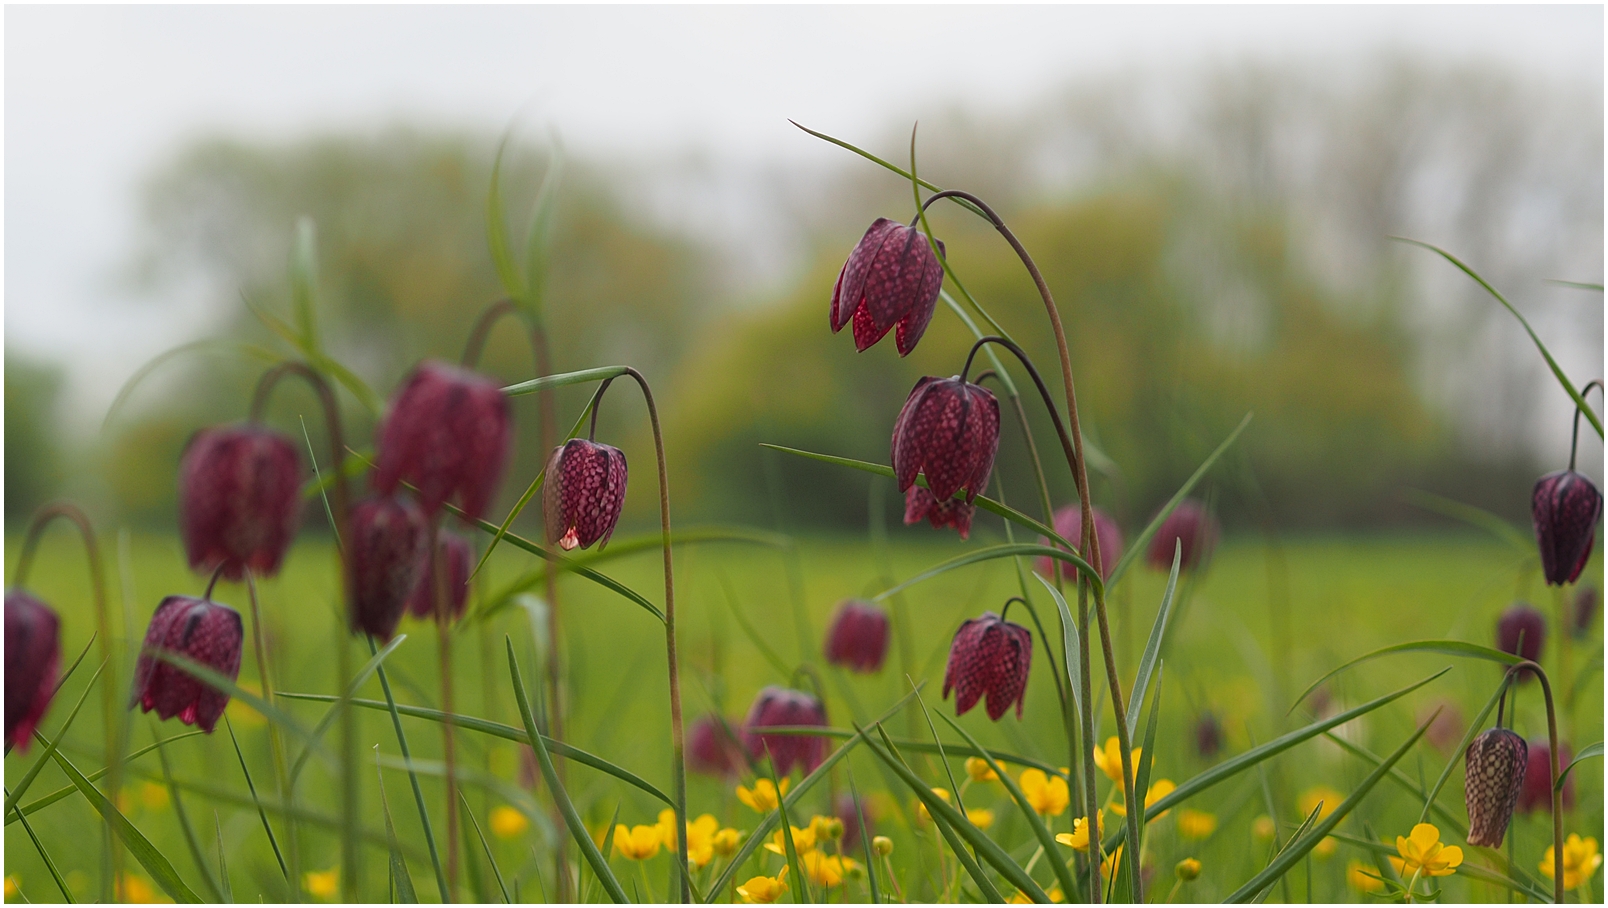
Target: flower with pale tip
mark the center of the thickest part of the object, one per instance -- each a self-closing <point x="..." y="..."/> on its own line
<point x="583" y="493"/>
<point x="205" y="632"/>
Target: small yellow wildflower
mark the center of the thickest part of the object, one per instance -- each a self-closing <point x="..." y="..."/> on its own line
<point x="1580" y="861"/>
<point x="1021" y="898"/>
<point x="1310" y="798"/>
<point x="1188" y="869"/>
<point x="11" y="887"/>
<point x="1161" y="789"/>
<point x="1078" y="838"/>
<point x="1262" y="827"/>
<point x="803" y="840"/>
<point x="324" y="885"/>
<point x="921" y="806"/>
<point x="153" y="796"/>
<point x="1047" y="794"/>
<point x="882" y="845"/>
<point x="1196" y="824"/>
<point x="1109" y="759"/>
<point x="824" y="870"/>
<point x="639" y="842"/>
<point x="1421" y="849"/>
<point x="762" y="890"/>
<point x="762" y="797"/>
<point x="506" y="822"/>
<point x="1325" y="848"/>
<point x="725" y="842"/>
<point x="701" y="840"/>
<point x="135" y="890"/>
<point x="979" y="770"/>
<point x="981" y="817"/>
<point x="1111" y="864"/>
<point x="1363" y="877"/>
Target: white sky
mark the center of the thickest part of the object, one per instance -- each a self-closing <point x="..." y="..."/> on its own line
<point x="97" y="96"/>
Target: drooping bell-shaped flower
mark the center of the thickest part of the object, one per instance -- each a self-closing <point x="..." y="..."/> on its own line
<point x="713" y="749"/>
<point x="1494" y="768"/>
<point x="1565" y="507"/>
<point x="991" y="656"/>
<point x="1536" y="793"/>
<point x="1069" y="524"/>
<point x="951" y="512"/>
<point x="1208" y="735"/>
<point x="1521" y="630"/>
<point x="583" y="493"/>
<point x="447" y="432"/>
<point x="389" y="538"/>
<point x="784" y="706"/>
<point x="1190" y="524"/>
<point x="891" y="278"/>
<point x="459" y="557"/>
<point x="205" y="632"/>
<point x="33" y="658"/>
<point x="858" y="637"/>
<point x="850" y="812"/>
<point x="948" y="430"/>
<point x="1584" y="612"/>
<point x="239" y="499"/>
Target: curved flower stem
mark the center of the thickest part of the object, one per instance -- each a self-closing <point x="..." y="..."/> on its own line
<point x="1553" y="766"/>
<point x="1574" y="440"/>
<point x="332" y="421"/>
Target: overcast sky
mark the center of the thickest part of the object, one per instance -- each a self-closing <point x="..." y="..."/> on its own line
<point x="95" y="97"/>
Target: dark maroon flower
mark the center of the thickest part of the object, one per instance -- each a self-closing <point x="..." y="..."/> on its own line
<point x="203" y="631"/>
<point x="951" y="512"/>
<point x="891" y="278"/>
<point x="989" y="655"/>
<point x="1536" y="794"/>
<point x="858" y="638"/>
<point x="1585" y="610"/>
<point x="849" y="812"/>
<point x="782" y="706"/>
<point x="1069" y="525"/>
<point x="1521" y="630"/>
<point x="1208" y="735"/>
<point x="33" y="656"/>
<point x="583" y="493"/>
<point x="949" y="430"/>
<point x="1494" y="769"/>
<point x="713" y="749"/>
<point x="460" y="560"/>
<point x="1565" y="507"/>
<point x="239" y="499"/>
<point x="389" y="538"/>
<point x="447" y="432"/>
<point x="1193" y="527"/>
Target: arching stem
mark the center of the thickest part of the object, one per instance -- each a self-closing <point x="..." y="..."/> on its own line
<point x="1554" y="768"/>
<point x="1574" y="440"/>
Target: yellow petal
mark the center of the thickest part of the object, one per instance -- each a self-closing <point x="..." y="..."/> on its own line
<point x="1424" y="836"/>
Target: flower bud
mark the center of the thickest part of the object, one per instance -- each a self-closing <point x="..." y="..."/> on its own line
<point x="239" y="499"/>
<point x="951" y="512"/>
<point x="989" y="656"/>
<point x="1188" y="869"/>
<point x="858" y="638"/>
<point x="583" y="493"/>
<point x="1565" y="507"/>
<point x="1069" y="526"/>
<point x="459" y="558"/>
<point x="1536" y="793"/>
<point x="1521" y="630"/>
<point x="447" y="432"/>
<point x="882" y="845"/>
<point x="891" y="278"/>
<point x="33" y="658"/>
<point x="1189" y="525"/>
<point x="782" y="706"/>
<point x="389" y="538"/>
<point x="1494" y="768"/>
<point x="712" y="750"/>
<point x="949" y="430"/>
<point x="203" y="631"/>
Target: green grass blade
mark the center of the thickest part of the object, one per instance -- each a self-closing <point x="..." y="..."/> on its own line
<point x="328" y="719"/>
<point x="1008" y="550"/>
<point x="1594" y="750"/>
<point x="304" y="281"/>
<point x="401" y="880"/>
<point x="261" y="814"/>
<point x="143" y="372"/>
<point x="1444" y="647"/>
<point x="1158" y="632"/>
<point x="413" y="778"/>
<point x="752" y="633"/>
<point x="1071" y="649"/>
<point x="1299" y="846"/>
<point x="561" y="797"/>
<point x="865" y="840"/>
<point x="44" y="855"/>
<point x="1462" y="747"/>
<point x="497" y="226"/>
<point x="562" y="379"/>
<point x="1578" y="285"/>
<point x="51" y="745"/>
<point x="194" y="844"/>
<point x="486" y="846"/>
<point x="1444" y="817"/>
<point x="1552" y="364"/>
<point x="1300" y="831"/>
<point x="537" y="233"/>
<point x="34" y="806"/>
<point x="801" y="883"/>
<point x="161" y="871"/>
<point x="878" y="161"/>
<point x="1141" y="785"/>
<point x="223" y="864"/>
<point x="919" y="746"/>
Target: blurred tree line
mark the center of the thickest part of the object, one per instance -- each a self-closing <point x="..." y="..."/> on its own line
<point x="1208" y="261"/>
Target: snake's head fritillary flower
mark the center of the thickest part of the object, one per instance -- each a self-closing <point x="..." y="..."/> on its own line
<point x="891" y="278"/>
<point x="1536" y="792"/>
<point x="447" y="432"/>
<point x="1208" y="735"/>
<point x="239" y="499"/>
<point x="713" y="749"/>
<point x="949" y="430"/>
<point x="1493" y="776"/>
<point x="1584" y="612"/>
<point x="459" y="558"/>
<point x="783" y="706"/>
<point x="1422" y="851"/>
<point x="33" y="657"/>
<point x="1189" y="525"/>
<point x="583" y="493"/>
<point x="991" y="656"/>
<point x="1069" y="525"/>
<point x="389" y="539"/>
<point x="858" y="638"/>
<point x="1580" y="861"/>
<point x="205" y="632"/>
<point x="951" y="512"/>
<point x="849" y="812"/>
<point x="1565" y="507"/>
<point x="1521" y="630"/>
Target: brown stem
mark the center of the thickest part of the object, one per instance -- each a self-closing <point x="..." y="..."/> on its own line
<point x="332" y="421"/>
<point x="1554" y="766"/>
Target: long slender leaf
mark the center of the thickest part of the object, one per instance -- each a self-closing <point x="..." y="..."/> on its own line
<point x="1158" y="631"/>
<point x="1594" y="750"/>
<point x="497" y="226"/>
<point x="330" y="714"/>
<point x="1071" y="649"/>
<point x="561" y="797"/>
<point x="401" y="880"/>
<point x="1444" y="647"/>
<point x="562" y="379"/>
<point x="801" y="883"/>
<point x="34" y="806"/>
<point x="51" y="745"/>
<point x="194" y="844"/>
<point x="537" y="233"/>
<point x="1306" y="825"/>
<point x="413" y="777"/>
<point x="486" y="846"/>
<point x="1462" y="748"/>
<point x="865" y="840"/>
<point x="222" y="344"/>
<point x="568" y="563"/>
<point x="223" y="864"/>
<point x="223" y="683"/>
<point x="50" y="863"/>
<point x="261" y="814"/>
<point x="1009" y="550"/>
<point x="1444" y="817"/>
<point x="928" y="747"/>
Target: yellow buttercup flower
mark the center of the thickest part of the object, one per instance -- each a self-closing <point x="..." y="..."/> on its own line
<point x="1109" y="759"/>
<point x="1020" y="898"/>
<point x="1325" y="847"/>
<point x="638" y="842"/>
<point x="1363" y="877"/>
<point x="803" y="840"/>
<point x="824" y="870"/>
<point x="1196" y="824"/>
<point x="325" y="885"/>
<point x="701" y="840"/>
<point x="762" y="890"/>
<point x="762" y="797"/>
<point x="980" y="817"/>
<point x="1161" y="789"/>
<point x="11" y="887"/>
<point x="1188" y="869"/>
<point x="506" y="822"/>
<point x="979" y="770"/>
<point x="1047" y="794"/>
<point x="667" y="828"/>
<point x="725" y="842"/>
<point x="1580" y="861"/>
<point x="1078" y="838"/>
<point x="921" y="806"/>
<point x="1262" y="827"/>
<point x="136" y="890"/>
<point x="1310" y="798"/>
<point x="1421" y="849"/>
<point x="153" y="796"/>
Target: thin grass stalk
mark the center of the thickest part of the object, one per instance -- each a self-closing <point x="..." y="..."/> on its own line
<point x="276" y="751"/>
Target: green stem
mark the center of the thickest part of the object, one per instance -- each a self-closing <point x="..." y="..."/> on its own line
<point x="1554" y="767"/>
<point x="276" y="752"/>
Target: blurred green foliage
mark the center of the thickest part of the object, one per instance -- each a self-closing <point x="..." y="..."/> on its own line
<point x="33" y="435"/>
